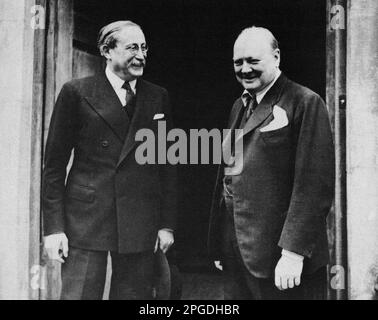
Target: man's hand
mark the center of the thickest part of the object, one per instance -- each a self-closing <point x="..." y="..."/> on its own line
<point x="56" y="245"/>
<point x="288" y="270"/>
<point x="164" y="240"/>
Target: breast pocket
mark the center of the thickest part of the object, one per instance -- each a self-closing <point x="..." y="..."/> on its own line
<point x="276" y="138"/>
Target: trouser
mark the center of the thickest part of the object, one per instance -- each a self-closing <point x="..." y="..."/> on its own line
<point x="240" y="284"/>
<point x="84" y="273"/>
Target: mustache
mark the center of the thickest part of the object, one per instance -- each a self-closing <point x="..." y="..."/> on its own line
<point x="138" y="63"/>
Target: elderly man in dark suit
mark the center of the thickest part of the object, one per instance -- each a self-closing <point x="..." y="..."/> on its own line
<point x="268" y="220"/>
<point x="108" y="202"/>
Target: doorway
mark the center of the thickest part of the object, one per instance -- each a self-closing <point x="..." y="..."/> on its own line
<point x="190" y="54"/>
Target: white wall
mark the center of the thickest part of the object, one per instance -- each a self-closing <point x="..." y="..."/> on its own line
<point x="16" y="85"/>
<point x="362" y="147"/>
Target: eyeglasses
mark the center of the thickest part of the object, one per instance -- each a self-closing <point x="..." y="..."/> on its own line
<point x="134" y="48"/>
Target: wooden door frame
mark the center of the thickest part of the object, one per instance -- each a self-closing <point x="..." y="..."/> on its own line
<point x="335" y="99"/>
<point x="58" y="52"/>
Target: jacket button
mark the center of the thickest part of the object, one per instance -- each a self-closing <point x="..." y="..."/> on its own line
<point x="105" y="144"/>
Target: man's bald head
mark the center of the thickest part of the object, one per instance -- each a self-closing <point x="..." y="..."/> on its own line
<point x="262" y="35"/>
<point x="256" y="58"/>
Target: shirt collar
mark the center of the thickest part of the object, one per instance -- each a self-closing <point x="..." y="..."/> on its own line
<point x="261" y="94"/>
<point x="117" y="82"/>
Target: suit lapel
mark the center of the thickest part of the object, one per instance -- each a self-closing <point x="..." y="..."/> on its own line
<point x="238" y="107"/>
<point x="232" y="124"/>
<point x="142" y="118"/>
<point x="105" y="102"/>
<point x="265" y="107"/>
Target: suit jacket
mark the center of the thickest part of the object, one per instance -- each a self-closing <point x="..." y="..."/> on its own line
<point x="286" y="186"/>
<point x="108" y="201"/>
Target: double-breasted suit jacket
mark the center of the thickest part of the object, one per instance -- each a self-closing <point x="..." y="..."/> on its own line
<point x="108" y="201"/>
<point x="285" y="188"/>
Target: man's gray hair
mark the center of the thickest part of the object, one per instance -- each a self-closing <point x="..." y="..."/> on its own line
<point x="262" y="31"/>
<point x="108" y="34"/>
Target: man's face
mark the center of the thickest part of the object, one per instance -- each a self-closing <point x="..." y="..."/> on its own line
<point x="255" y="63"/>
<point x="124" y="62"/>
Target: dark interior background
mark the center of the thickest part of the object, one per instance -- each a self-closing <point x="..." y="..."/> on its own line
<point x="190" y="54"/>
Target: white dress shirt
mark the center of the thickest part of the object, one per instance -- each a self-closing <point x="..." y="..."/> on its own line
<point x="117" y="84"/>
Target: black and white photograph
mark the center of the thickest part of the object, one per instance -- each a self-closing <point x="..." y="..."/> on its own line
<point x="200" y="152"/>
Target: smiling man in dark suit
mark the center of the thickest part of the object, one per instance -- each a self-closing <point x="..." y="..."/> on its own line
<point x="268" y="220"/>
<point x="108" y="202"/>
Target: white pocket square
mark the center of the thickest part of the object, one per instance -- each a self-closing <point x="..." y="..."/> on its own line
<point x="279" y="121"/>
<point x="158" y="116"/>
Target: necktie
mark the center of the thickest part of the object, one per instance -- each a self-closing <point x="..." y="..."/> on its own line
<point x="242" y="117"/>
<point x="250" y="106"/>
<point x="130" y="100"/>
